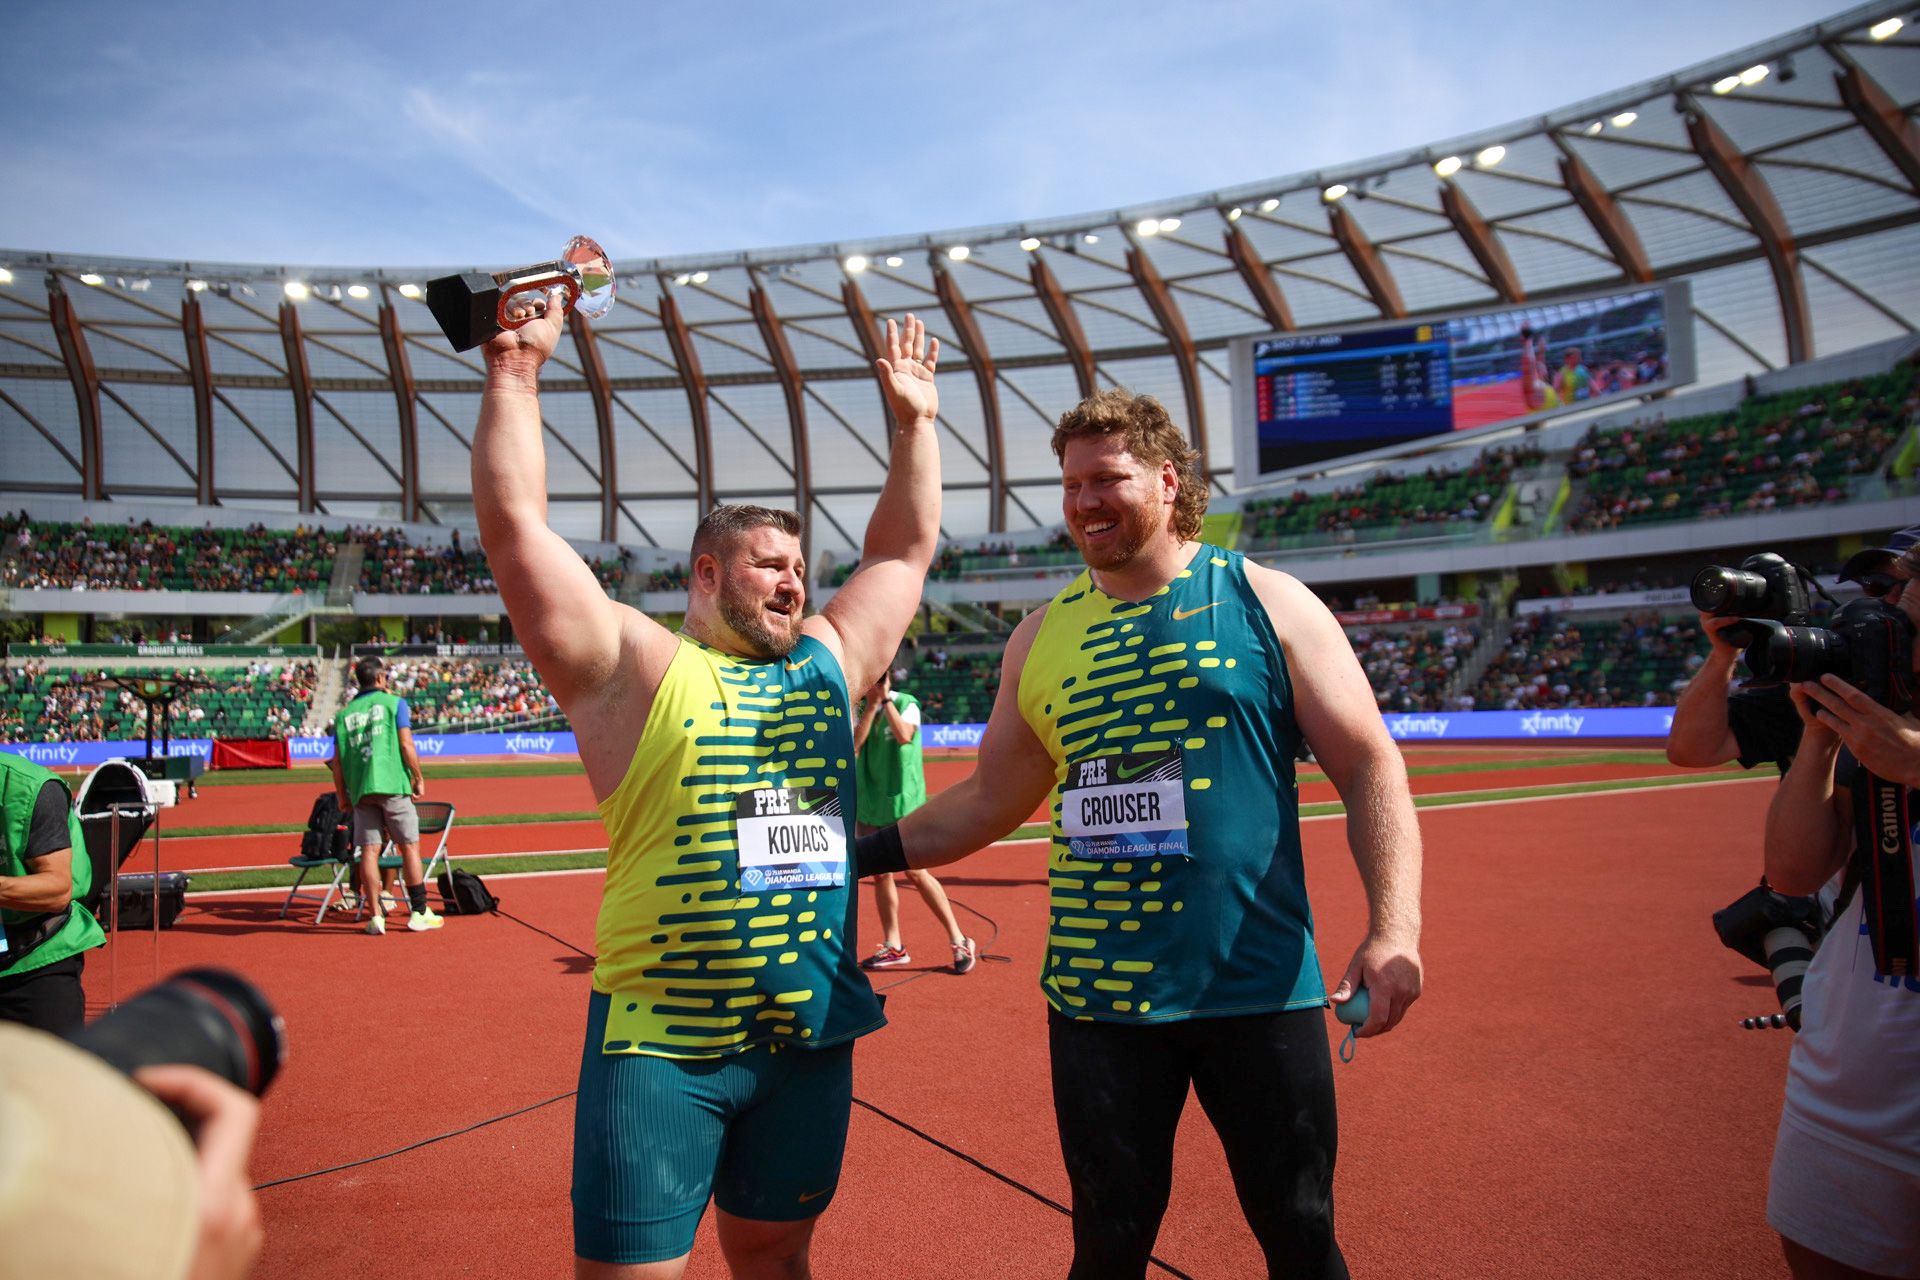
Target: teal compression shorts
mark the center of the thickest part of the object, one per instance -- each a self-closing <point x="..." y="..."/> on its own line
<point x="761" y="1131"/>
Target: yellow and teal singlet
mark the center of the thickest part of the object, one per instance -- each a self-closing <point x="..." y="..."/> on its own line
<point x="1176" y="883"/>
<point x="729" y="913"/>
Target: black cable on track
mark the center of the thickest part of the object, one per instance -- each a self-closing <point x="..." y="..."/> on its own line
<point x="888" y="1116"/>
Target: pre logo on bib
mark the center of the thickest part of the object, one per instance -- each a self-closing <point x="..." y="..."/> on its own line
<point x="790" y="838"/>
<point x="1125" y="806"/>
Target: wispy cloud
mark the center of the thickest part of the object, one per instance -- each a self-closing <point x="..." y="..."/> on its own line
<point x="387" y="134"/>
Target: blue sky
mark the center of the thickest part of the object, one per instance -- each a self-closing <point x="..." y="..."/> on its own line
<point x="419" y="135"/>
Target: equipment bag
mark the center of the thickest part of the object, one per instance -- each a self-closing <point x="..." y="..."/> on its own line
<point x="463" y="893"/>
<point x="328" y="834"/>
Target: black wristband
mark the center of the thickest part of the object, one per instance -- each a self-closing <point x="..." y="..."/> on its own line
<point x="879" y="854"/>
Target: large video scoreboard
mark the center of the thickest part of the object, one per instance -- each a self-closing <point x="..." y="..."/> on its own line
<point x="1305" y="397"/>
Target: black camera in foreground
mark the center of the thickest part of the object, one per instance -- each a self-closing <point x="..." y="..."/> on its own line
<point x="1869" y="643"/>
<point x="200" y="1018"/>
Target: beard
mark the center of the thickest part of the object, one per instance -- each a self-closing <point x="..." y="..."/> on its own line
<point x="743" y="612"/>
<point x="1131" y="533"/>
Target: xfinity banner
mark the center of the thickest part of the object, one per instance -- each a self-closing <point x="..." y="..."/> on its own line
<point x="1571" y="722"/>
<point x="1443" y="726"/>
<point x="57" y="755"/>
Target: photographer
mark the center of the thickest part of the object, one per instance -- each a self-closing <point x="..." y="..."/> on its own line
<point x="173" y="1203"/>
<point x="1845" y="1182"/>
<point x="1713" y="722"/>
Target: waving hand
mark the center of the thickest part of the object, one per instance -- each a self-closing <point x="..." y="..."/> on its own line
<point x="906" y="372"/>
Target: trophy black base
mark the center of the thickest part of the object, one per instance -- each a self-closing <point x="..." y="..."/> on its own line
<point x="467" y="307"/>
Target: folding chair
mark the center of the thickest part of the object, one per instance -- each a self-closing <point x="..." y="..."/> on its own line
<point x="343" y="866"/>
<point x="436" y="819"/>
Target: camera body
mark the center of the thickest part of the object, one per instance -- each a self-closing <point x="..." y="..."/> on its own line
<point x="1766" y="586"/>
<point x="1869" y="645"/>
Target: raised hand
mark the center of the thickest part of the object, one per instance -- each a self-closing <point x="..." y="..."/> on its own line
<point x="522" y="351"/>
<point x="906" y="372"/>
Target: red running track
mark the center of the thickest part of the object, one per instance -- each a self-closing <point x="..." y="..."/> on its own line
<point x="530" y="795"/>
<point x="1571" y="1097"/>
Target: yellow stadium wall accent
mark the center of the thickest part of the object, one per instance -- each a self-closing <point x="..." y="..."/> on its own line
<point x="1559" y="502"/>
<point x="1907" y="458"/>
<point x="62" y="627"/>
<point x="1503" y="518"/>
<point x="1222" y="530"/>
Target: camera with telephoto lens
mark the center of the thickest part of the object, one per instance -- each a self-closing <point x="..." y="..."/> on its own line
<point x="1869" y="645"/>
<point x="1765" y="586"/>
<point x="1778" y="933"/>
<point x="209" y="1018"/>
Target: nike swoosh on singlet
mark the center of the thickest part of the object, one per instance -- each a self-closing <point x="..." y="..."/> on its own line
<point x="1124" y="773"/>
<point x="795" y="666"/>
<point x="813" y="1195"/>
<point x="1181" y="615"/>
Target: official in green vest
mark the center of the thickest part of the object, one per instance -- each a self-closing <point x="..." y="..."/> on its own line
<point x="1156" y="705"/>
<point x="892" y="784"/>
<point x="376" y="776"/>
<point x="44" y="874"/>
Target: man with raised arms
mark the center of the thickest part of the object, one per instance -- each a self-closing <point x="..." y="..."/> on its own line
<point x="726" y="996"/>
<point x="1158" y="702"/>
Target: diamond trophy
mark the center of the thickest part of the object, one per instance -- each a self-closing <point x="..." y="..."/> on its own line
<point x="472" y="306"/>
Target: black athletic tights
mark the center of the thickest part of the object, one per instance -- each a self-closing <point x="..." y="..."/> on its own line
<point x="1266" y="1082"/>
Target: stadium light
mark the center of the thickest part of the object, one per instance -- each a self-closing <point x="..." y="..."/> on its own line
<point x="894" y="260"/>
<point x="1595" y="127"/>
<point x="856" y="264"/>
<point x="1091" y="238"/>
<point x="1169" y="224"/>
<point x="1269" y="205"/>
<point x="1624" y="119"/>
<point x="1334" y="192"/>
<point x="1491" y="156"/>
<point x="1726" y="84"/>
<point x="196" y="286"/>
<point x="1447" y="166"/>
<point x="1233" y="214"/>
<point x="699" y="277"/>
<point x="1148" y="226"/>
<point x="1882" y="30"/>
<point x="1755" y="74"/>
<point x="296" y="290"/>
<point x="92" y="278"/>
<point x="959" y="253"/>
<point x="683" y="279"/>
<point x="1030" y="244"/>
<point x="409" y="290"/>
<point x="357" y="291"/>
<point x="6" y="276"/>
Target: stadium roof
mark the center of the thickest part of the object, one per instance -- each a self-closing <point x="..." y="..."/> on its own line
<point x="1782" y="180"/>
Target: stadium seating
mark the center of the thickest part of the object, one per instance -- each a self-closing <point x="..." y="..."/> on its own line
<point x="1410" y="667"/>
<point x="395" y="566"/>
<point x="462" y="695"/>
<point x="1644" y="659"/>
<point x="147" y="557"/>
<point x="1437" y="496"/>
<point x="1797" y="449"/>
<point x="261" y="700"/>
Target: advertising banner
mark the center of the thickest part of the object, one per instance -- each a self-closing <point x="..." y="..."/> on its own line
<point x="1449" y="726"/>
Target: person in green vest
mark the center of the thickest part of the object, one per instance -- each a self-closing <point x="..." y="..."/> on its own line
<point x="892" y="784"/>
<point x="376" y="775"/>
<point x="44" y="875"/>
<point x="1156" y="705"/>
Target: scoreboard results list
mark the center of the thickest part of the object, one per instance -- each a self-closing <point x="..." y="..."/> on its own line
<point x="1326" y="394"/>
